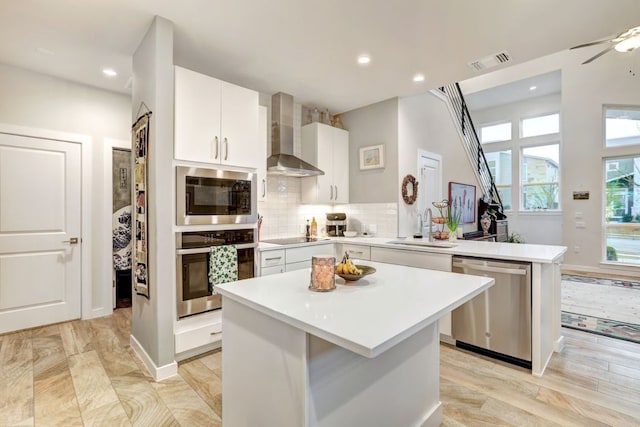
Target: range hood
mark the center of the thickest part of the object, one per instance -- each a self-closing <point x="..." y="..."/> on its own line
<point x="282" y="161"/>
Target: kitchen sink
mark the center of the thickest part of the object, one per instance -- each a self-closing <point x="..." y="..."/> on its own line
<point x="424" y="243"/>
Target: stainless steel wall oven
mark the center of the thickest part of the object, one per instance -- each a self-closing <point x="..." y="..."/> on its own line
<point x="215" y="196"/>
<point x="192" y="266"/>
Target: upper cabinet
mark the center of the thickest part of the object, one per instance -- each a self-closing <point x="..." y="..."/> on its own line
<point x="327" y="148"/>
<point x="215" y="121"/>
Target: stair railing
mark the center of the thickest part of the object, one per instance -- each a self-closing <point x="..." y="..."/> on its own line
<point x="471" y="143"/>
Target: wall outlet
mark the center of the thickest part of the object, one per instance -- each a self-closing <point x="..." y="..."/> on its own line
<point x="578" y="215"/>
<point x="373" y="228"/>
<point x="581" y="224"/>
<point x="576" y="249"/>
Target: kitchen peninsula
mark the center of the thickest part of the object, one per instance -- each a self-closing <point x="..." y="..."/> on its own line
<point x="366" y="353"/>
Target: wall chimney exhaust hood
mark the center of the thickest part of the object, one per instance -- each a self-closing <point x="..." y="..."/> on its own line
<point x="282" y="161"/>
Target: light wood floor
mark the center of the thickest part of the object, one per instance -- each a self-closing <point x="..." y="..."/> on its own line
<point x="85" y="373"/>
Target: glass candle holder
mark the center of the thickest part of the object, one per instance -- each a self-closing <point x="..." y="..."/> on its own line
<point x="323" y="277"/>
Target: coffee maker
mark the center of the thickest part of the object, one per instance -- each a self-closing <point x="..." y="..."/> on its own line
<point x="336" y="224"/>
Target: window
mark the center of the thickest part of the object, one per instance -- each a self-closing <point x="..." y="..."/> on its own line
<point x="540" y="125"/>
<point x="500" y="167"/>
<point x="622" y="210"/>
<point x="495" y="133"/>
<point x="540" y="168"/>
<point x="622" y="126"/>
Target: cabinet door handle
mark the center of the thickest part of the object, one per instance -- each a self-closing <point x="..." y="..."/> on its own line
<point x="336" y="191"/>
<point x="216" y="142"/>
<point x="264" y="187"/>
<point x="273" y="258"/>
<point x="226" y="149"/>
<point x="331" y="196"/>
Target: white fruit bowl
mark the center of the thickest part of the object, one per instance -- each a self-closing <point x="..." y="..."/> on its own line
<point x="350" y="233"/>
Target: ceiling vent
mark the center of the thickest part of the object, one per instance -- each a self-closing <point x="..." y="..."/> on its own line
<point x="490" y="61"/>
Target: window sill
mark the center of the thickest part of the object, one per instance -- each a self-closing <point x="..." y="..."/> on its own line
<point x="538" y="213"/>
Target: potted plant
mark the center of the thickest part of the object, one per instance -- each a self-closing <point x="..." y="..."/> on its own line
<point x="452" y="222"/>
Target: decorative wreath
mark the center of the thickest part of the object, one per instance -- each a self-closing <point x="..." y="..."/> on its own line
<point x="409" y="199"/>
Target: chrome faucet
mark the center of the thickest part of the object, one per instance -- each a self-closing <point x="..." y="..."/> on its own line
<point x="427" y="220"/>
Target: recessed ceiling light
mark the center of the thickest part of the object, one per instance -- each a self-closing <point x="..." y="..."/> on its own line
<point x="418" y="78"/>
<point x="364" y="59"/>
<point x="110" y="72"/>
<point x="533" y="87"/>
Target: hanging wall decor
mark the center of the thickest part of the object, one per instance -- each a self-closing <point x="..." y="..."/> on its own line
<point x="140" y="222"/>
<point x="409" y="198"/>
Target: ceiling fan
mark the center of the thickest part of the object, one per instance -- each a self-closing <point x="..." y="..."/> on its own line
<point x="624" y="42"/>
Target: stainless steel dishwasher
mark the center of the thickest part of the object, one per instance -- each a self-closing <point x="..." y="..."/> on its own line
<point x="497" y="322"/>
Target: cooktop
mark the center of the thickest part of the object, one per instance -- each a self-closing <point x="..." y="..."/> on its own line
<point x="294" y="240"/>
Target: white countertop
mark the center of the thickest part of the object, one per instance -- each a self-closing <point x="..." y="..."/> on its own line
<point x="368" y="316"/>
<point x="474" y="248"/>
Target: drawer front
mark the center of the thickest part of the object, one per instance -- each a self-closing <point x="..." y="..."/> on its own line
<point x="356" y="251"/>
<point x="271" y="258"/>
<point x="305" y="253"/>
<point x="412" y="258"/>
<point x="199" y="336"/>
<point x="301" y="265"/>
<point x="276" y="269"/>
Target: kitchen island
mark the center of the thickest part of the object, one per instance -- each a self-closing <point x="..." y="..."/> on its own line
<point x="366" y="353"/>
<point x="546" y="335"/>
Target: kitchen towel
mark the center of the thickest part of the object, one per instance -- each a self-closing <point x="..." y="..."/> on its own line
<point x="223" y="265"/>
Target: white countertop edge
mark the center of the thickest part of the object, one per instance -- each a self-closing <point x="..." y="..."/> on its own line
<point x="368" y="352"/>
<point x="495" y="250"/>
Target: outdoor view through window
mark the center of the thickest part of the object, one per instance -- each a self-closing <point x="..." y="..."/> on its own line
<point x="622" y="188"/>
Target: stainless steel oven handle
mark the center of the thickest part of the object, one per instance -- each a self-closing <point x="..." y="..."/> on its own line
<point x="208" y="249"/>
<point x="490" y="269"/>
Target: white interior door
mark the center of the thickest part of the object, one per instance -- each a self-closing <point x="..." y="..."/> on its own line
<point x="40" y="216"/>
<point x="429" y="165"/>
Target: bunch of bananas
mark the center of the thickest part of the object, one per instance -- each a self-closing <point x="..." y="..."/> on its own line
<point x="346" y="266"/>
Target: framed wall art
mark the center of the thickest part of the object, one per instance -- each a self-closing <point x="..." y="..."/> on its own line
<point x="140" y="216"/>
<point x="463" y="197"/>
<point x="372" y="157"/>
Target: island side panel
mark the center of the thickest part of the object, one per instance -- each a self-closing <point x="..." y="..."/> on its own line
<point x="263" y="369"/>
<point x="545" y="297"/>
<point x="400" y="387"/>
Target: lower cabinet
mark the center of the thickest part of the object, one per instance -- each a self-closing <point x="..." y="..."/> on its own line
<point x="418" y="259"/>
<point x="289" y="259"/>
<point x="412" y="258"/>
<point x="197" y="334"/>
<point x="362" y="252"/>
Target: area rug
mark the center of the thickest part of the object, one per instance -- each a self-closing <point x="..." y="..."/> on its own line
<point x="609" y="328"/>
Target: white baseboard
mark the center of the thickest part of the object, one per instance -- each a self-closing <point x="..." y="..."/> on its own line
<point x="100" y="312"/>
<point x="625" y="270"/>
<point x="158" y="373"/>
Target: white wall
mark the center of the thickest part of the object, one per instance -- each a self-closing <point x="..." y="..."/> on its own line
<point x="424" y="122"/>
<point x="37" y="100"/>
<point x="585" y="89"/>
<point x="152" y="319"/>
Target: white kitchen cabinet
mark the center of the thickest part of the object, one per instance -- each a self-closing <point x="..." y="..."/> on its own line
<point x="262" y="150"/>
<point x="215" y="121"/>
<point x="198" y="334"/>
<point x="356" y="252"/>
<point x="271" y="262"/>
<point x="327" y="148"/>
<point x="411" y="258"/>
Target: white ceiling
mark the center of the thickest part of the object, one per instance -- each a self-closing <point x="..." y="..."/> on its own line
<point x="305" y="48"/>
<point x="544" y="84"/>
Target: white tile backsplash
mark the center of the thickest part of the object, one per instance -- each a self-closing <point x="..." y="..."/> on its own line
<point x="285" y="216"/>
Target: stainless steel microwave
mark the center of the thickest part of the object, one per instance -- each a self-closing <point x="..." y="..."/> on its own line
<point x="215" y="196"/>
